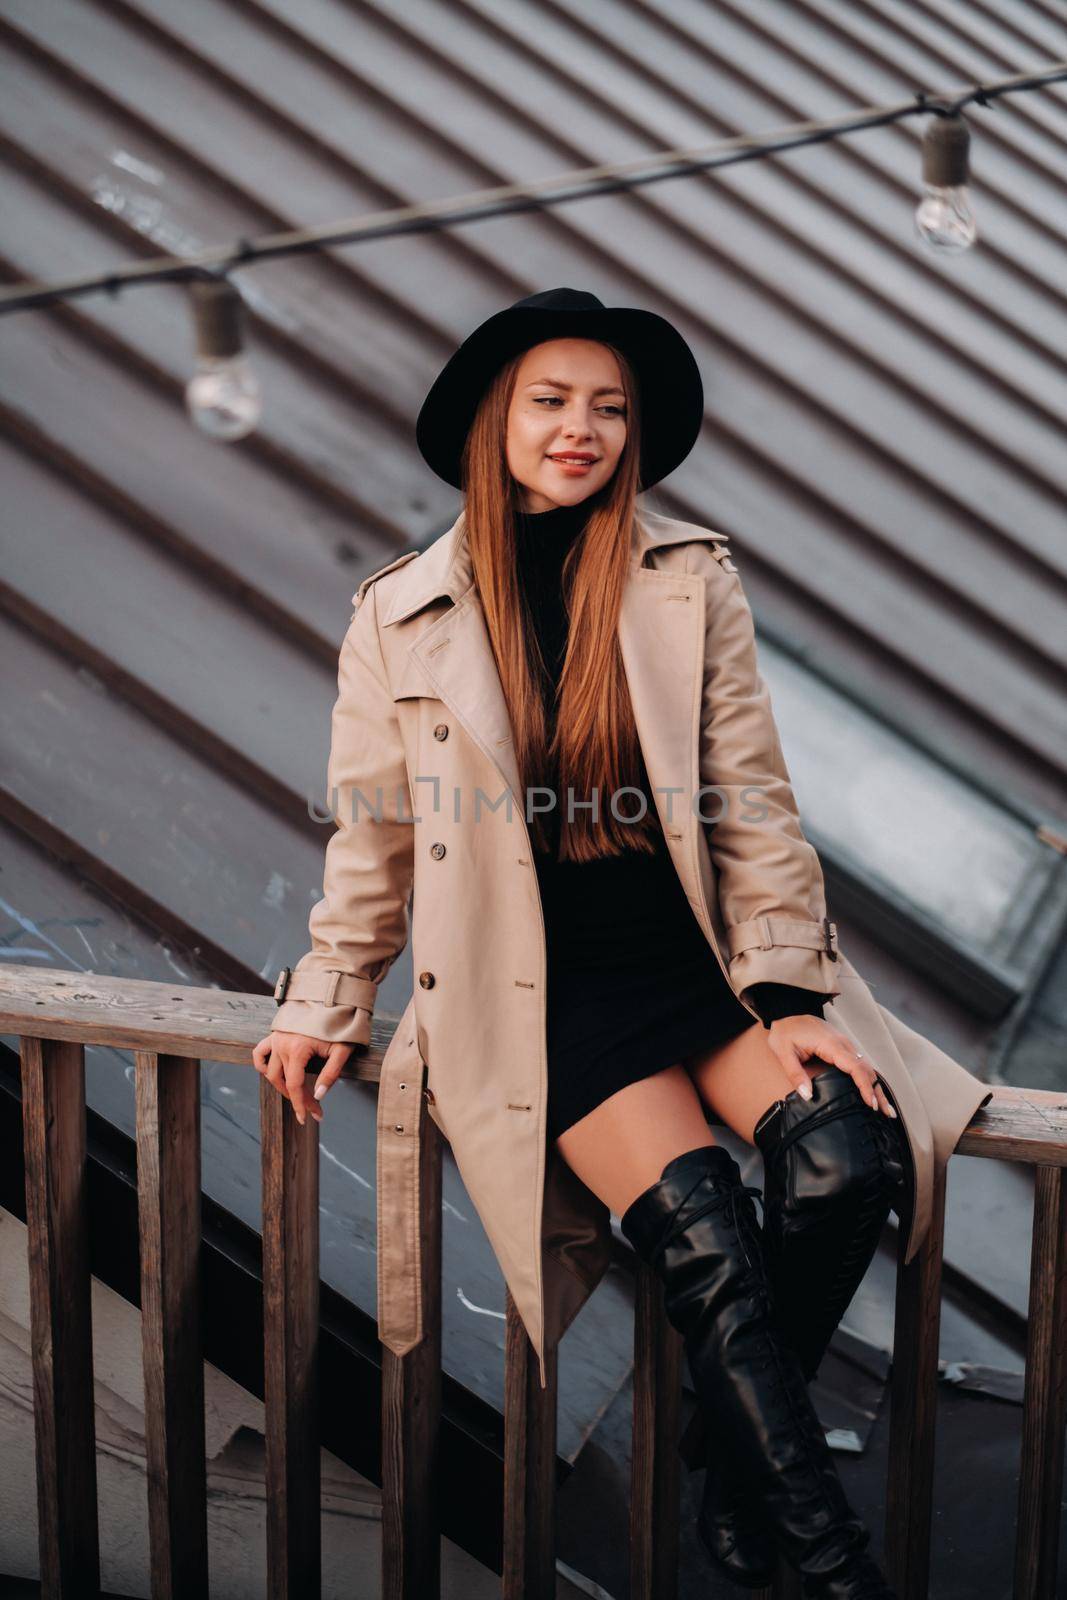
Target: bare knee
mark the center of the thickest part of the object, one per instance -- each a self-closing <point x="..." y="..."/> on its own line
<point x="740" y="1079"/>
<point x="621" y="1147"/>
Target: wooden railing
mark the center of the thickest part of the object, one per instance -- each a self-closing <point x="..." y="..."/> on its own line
<point x="171" y="1030"/>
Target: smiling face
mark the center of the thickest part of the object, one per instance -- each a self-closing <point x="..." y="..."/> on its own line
<point x="568" y="401"/>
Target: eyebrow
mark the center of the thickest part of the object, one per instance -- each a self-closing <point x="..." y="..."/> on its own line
<point x="557" y="383"/>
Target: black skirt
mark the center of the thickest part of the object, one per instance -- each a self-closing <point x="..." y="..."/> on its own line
<point x="633" y="985"/>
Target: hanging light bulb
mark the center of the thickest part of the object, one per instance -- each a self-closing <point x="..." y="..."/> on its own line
<point x="943" y="219"/>
<point x="223" y="396"/>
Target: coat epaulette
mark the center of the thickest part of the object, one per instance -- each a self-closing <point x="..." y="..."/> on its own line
<point x="357" y="598"/>
<point x="665" y="531"/>
<point x="720" y="549"/>
<point x="718" y="546"/>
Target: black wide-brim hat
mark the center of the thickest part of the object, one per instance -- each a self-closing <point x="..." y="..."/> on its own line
<point x="668" y="379"/>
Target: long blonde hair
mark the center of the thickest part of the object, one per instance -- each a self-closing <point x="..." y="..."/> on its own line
<point x="594" y="749"/>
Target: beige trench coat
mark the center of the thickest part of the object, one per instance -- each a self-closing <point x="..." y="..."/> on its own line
<point x="421" y="730"/>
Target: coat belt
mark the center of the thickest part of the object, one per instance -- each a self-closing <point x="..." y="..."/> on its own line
<point x="401" y="1091"/>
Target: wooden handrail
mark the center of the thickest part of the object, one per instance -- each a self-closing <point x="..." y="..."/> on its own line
<point x="172" y="1029"/>
<point x="139" y="1014"/>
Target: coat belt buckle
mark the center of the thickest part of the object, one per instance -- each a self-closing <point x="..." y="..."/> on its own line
<point x="282" y="984"/>
<point x="830" y="933"/>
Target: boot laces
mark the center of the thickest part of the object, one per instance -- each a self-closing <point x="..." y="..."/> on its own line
<point x="737" y="1201"/>
<point x="733" y="1198"/>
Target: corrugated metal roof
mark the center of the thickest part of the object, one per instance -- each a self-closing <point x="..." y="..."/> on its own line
<point x="884" y="441"/>
<point x="885" y="432"/>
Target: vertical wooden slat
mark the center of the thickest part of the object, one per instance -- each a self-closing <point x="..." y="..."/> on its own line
<point x="1045" y="1393"/>
<point x="913" y="1413"/>
<point x="168" y="1202"/>
<point x="411" y="1414"/>
<point x="61" y="1336"/>
<point x="655" y="1464"/>
<point x="291" y="1334"/>
<point x="529" y="1466"/>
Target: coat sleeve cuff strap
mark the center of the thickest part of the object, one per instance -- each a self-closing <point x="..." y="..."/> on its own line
<point x="326" y="988"/>
<point x="763" y="933"/>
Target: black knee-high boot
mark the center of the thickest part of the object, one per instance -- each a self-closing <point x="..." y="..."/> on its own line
<point x="697" y="1227"/>
<point x="834" y="1169"/>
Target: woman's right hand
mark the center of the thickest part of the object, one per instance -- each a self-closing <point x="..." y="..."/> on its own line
<point x="283" y="1060"/>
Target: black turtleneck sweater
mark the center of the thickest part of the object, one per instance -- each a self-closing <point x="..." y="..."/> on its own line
<point x="590" y="907"/>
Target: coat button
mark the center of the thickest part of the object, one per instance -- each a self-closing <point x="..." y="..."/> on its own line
<point x="441" y="731"/>
<point x="427" y="980"/>
<point x="437" y="851"/>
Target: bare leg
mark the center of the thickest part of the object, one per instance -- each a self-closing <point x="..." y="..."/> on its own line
<point x="620" y="1147"/>
<point x="741" y="1078"/>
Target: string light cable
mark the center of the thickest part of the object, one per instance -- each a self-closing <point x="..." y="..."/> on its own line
<point x="223" y="396"/>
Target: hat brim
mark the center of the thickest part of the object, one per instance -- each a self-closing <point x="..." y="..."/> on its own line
<point x="668" y="379"/>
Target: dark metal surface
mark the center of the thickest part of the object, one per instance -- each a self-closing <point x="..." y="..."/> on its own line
<point x="884" y="444"/>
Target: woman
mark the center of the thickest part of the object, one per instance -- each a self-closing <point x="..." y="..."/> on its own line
<point x="577" y="1022"/>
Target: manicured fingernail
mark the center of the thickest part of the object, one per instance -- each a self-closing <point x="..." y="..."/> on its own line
<point x="805" y="1088"/>
<point x="892" y="1113"/>
<point x="320" y="1090"/>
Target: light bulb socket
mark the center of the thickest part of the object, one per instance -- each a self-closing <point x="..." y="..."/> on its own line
<point x="217" y="308"/>
<point x="946" y="147"/>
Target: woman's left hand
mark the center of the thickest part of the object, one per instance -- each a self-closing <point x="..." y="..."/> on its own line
<point x="793" y="1040"/>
